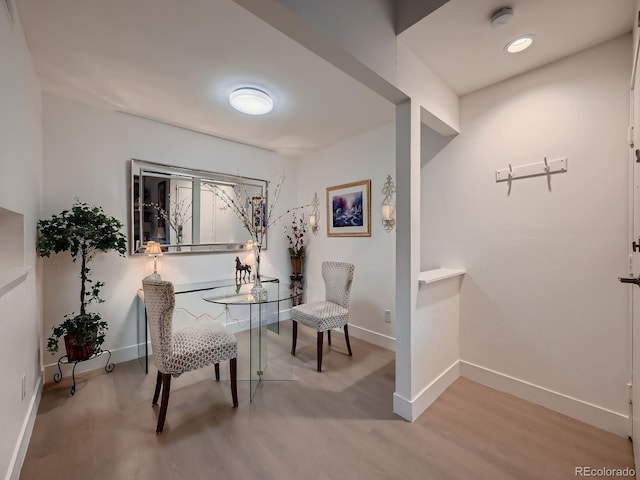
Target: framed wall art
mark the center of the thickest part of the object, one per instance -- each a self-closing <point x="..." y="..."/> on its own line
<point x="349" y="210"/>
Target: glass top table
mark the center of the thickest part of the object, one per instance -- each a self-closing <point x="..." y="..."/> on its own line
<point x="263" y="316"/>
<point x="259" y="314"/>
<point x="241" y="294"/>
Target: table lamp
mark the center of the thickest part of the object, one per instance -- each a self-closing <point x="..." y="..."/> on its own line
<point x="154" y="250"/>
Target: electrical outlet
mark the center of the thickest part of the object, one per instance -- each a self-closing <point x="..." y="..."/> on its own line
<point x="387" y="316"/>
<point x="23" y="391"/>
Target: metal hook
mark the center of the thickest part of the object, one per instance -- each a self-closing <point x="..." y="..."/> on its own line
<point x="510" y="171"/>
<point x="546" y="165"/>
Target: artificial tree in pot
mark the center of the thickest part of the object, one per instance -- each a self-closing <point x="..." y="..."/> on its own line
<point x="82" y="231"/>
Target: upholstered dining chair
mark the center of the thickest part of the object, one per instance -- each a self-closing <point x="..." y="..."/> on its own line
<point x="332" y="312"/>
<point x="184" y="350"/>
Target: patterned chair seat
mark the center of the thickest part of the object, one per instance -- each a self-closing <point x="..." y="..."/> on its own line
<point x="322" y="315"/>
<point x="199" y="346"/>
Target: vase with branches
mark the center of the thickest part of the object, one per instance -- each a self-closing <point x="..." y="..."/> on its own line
<point x="295" y="233"/>
<point x="179" y="214"/>
<point x="256" y="218"/>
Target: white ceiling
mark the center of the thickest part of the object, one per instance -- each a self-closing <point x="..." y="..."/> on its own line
<point x="177" y="62"/>
<point x="457" y="42"/>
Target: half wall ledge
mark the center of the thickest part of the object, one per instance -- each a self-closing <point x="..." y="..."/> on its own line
<point x="433" y="276"/>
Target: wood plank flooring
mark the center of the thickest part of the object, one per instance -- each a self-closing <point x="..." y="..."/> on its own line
<point x="336" y="424"/>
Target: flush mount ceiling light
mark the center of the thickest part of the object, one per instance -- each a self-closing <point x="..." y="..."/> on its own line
<point x="519" y="44"/>
<point x="251" y="101"/>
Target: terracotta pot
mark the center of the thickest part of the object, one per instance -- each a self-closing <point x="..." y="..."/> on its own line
<point x="77" y="352"/>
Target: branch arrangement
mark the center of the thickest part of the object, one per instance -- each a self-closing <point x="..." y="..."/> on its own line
<point x="178" y="215"/>
<point x="295" y="235"/>
<point x="250" y="209"/>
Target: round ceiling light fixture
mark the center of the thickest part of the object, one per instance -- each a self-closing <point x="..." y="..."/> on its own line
<point x="251" y="101"/>
<point x="519" y="44"/>
<point x="501" y="17"/>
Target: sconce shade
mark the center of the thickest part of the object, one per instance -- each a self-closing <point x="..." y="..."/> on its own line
<point x="313" y="221"/>
<point x="387" y="211"/>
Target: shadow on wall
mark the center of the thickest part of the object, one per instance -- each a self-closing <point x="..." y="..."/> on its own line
<point x="431" y="142"/>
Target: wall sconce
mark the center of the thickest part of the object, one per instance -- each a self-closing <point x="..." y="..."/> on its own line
<point x="388" y="206"/>
<point x="314" y="218"/>
<point x="154" y="250"/>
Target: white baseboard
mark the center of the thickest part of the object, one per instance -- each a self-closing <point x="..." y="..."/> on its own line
<point x="402" y="406"/>
<point x="375" y="338"/>
<point x="20" y="450"/>
<point x="412" y="409"/>
<point x="595" y="415"/>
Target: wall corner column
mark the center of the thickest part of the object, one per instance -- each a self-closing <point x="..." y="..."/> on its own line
<point x="407" y="247"/>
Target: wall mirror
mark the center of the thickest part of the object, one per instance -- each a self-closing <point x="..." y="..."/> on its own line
<point x="178" y="208"/>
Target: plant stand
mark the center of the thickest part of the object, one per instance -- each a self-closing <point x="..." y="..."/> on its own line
<point x="297" y="288"/>
<point x="57" y="377"/>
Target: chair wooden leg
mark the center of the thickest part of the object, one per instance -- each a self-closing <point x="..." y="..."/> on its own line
<point x="320" y="338"/>
<point x="166" y="387"/>
<point x="329" y="337"/>
<point x="233" y="373"/>
<point x="156" y="394"/>
<point x="217" y="367"/>
<point x="294" y="337"/>
<point x="346" y="337"/>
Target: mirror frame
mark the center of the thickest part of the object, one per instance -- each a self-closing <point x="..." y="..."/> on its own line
<point x="138" y="169"/>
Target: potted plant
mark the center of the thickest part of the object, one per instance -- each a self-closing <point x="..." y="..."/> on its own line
<point x="82" y="231"/>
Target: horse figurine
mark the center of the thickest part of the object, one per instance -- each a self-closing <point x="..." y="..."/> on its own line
<point x="242" y="271"/>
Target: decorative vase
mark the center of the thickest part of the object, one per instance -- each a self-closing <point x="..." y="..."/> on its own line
<point x="258" y="291"/>
<point x="296" y="265"/>
<point x="179" y="238"/>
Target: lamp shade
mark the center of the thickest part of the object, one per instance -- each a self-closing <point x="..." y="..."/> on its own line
<point x="153" y="249"/>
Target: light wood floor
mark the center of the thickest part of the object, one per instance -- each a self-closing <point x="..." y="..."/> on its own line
<point x="331" y="425"/>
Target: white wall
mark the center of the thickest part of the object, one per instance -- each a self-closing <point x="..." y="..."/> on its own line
<point x="364" y="28"/>
<point x="20" y="191"/>
<point x="423" y="85"/>
<point x="540" y="301"/>
<point x="86" y="154"/>
<point x="367" y="156"/>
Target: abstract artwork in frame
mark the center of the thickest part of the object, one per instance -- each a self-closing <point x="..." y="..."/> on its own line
<point x="349" y="210"/>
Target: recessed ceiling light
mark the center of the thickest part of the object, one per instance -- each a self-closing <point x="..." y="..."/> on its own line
<point x="519" y="44"/>
<point x="251" y="101"/>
